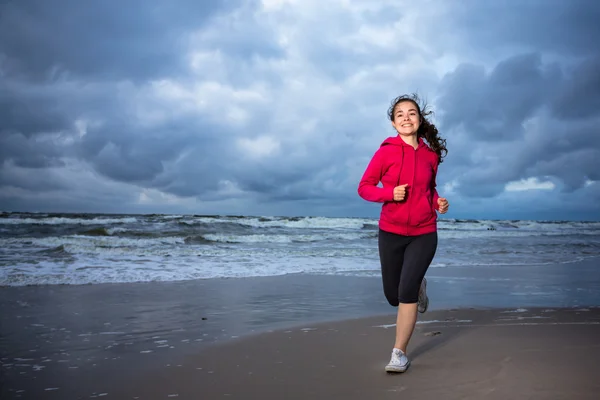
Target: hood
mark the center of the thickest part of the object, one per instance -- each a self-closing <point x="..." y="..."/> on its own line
<point x="398" y="141"/>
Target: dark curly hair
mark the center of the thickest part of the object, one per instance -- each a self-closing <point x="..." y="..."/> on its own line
<point x="426" y="130"/>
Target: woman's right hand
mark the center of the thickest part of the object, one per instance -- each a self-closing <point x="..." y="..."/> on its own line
<point x="400" y="192"/>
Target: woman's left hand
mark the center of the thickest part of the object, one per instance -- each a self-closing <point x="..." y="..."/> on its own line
<point x="443" y="205"/>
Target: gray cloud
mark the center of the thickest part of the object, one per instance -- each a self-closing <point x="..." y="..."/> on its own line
<point x="29" y="110"/>
<point x="495" y="105"/>
<point x="236" y="108"/>
<point x="133" y="40"/>
<point x="523" y="119"/>
<point x="579" y="96"/>
<point x="556" y="27"/>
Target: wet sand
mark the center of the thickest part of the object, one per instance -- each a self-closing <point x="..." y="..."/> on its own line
<point x="150" y="340"/>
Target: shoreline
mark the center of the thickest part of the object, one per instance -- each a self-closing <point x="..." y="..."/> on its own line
<point x="433" y="270"/>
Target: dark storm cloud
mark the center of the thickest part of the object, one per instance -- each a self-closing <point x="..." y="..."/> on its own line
<point x="29" y="110"/>
<point x="534" y="114"/>
<point x="490" y="113"/>
<point x="557" y="27"/>
<point x="134" y="39"/>
<point x="184" y="156"/>
<point x="579" y="96"/>
<point x="568" y="150"/>
<point x="37" y="182"/>
<point x="530" y="116"/>
<point x="28" y="154"/>
<point x="290" y="180"/>
<point x="493" y="106"/>
<point x="64" y="61"/>
<point x="37" y="122"/>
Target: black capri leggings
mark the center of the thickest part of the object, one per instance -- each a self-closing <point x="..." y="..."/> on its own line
<point x="404" y="262"/>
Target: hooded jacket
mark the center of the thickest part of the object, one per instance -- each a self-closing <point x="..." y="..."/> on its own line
<point x="396" y="163"/>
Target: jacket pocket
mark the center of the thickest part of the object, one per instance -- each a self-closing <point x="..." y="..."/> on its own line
<point x="395" y="212"/>
<point x="422" y="212"/>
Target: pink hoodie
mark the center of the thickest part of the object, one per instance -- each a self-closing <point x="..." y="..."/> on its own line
<point x="396" y="163"/>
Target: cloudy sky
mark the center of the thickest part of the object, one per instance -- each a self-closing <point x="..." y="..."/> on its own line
<point x="275" y="107"/>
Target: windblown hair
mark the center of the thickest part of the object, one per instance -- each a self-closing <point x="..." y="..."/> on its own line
<point x="426" y="130"/>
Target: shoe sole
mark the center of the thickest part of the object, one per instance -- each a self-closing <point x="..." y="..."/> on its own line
<point x="396" y="370"/>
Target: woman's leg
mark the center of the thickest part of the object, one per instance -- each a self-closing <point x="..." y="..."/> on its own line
<point x="417" y="257"/>
<point x="405" y="324"/>
<point x="391" y="256"/>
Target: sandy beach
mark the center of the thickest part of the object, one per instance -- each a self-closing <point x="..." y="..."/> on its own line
<point x="488" y="334"/>
<point x="460" y="354"/>
<point x="456" y="354"/>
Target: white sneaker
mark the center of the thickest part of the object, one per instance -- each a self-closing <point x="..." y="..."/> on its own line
<point x="423" y="302"/>
<point x="398" y="363"/>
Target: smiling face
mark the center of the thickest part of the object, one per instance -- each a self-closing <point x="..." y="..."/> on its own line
<point x="406" y="118"/>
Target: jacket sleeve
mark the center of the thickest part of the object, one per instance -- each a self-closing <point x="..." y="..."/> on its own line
<point x="367" y="188"/>
<point x="436" y="196"/>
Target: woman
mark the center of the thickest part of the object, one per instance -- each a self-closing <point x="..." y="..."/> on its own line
<point x="407" y="168"/>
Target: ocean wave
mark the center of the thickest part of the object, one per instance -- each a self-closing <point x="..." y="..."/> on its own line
<point x="156" y="271"/>
<point x="285" y="222"/>
<point x="269" y="238"/>
<point x="96" y="232"/>
<point x="85" y="272"/>
<point x="59" y="250"/>
<point x="199" y="239"/>
<point x="67" y="221"/>
<point x="82" y="248"/>
<point x="135" y="222"/>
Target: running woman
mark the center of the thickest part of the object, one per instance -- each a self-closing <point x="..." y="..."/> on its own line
<point x="406" y="165"/>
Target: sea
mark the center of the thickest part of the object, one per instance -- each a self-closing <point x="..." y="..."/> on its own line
<point x="78" y="249"/>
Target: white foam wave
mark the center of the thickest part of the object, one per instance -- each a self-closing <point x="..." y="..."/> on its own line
<point x="520" y="224"/>
<point x="67" y="221"/>
<point x="91" y="244"/>
<point x="264" y="238"/>
<point x="161" y="269"/>
<point x="296" y="223"/>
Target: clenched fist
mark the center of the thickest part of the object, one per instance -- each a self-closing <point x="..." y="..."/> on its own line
<point x="443" y="205"/>
<point x="400" y="192"/>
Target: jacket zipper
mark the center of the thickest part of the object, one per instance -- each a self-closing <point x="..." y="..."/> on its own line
<point x="412" y="185"/>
